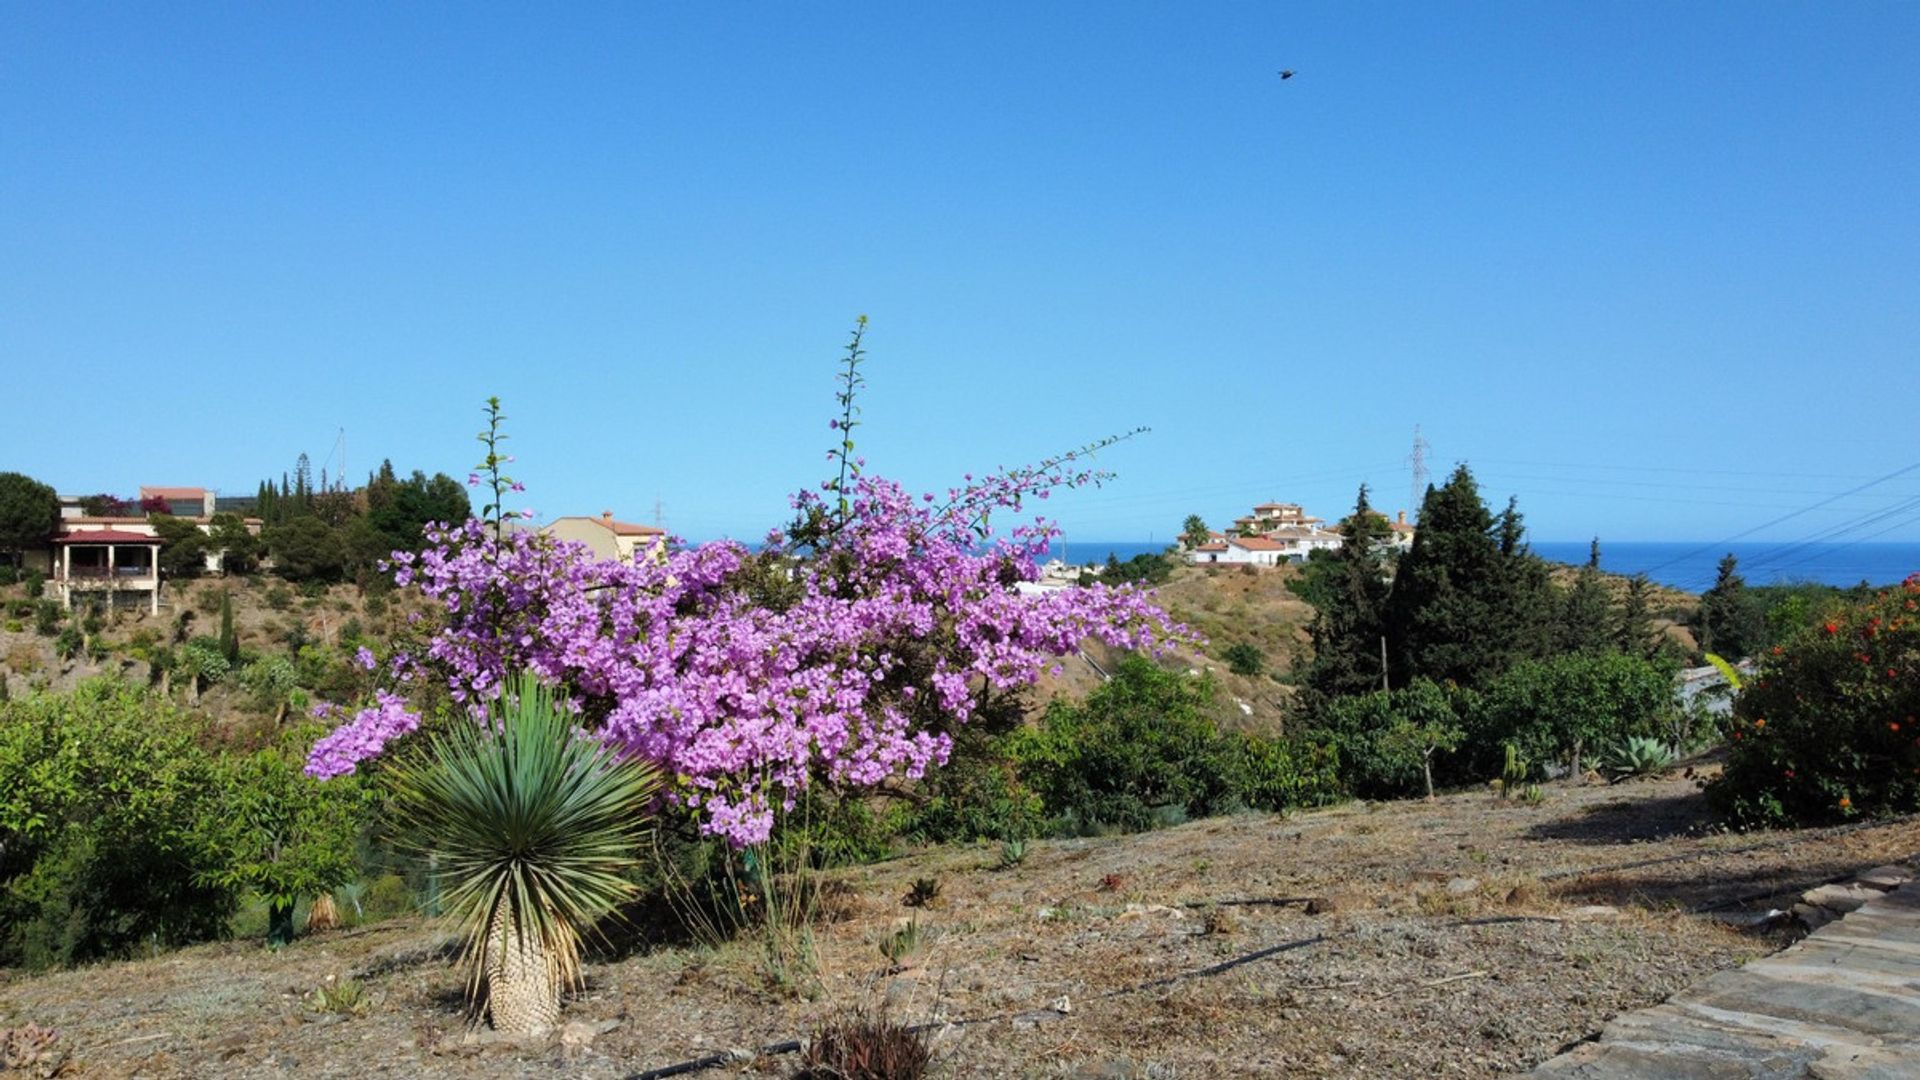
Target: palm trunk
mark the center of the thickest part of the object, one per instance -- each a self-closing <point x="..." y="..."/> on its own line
<point x="523" y="980"/>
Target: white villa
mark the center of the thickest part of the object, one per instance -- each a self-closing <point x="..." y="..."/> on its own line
<point x="1278" y="533"/>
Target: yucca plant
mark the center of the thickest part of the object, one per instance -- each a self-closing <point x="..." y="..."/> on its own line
<point x="1638" y="756"/>
<point x="536" y="827"/>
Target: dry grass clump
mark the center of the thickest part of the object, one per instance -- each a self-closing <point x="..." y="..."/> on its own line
<point x="865" y="1046"/>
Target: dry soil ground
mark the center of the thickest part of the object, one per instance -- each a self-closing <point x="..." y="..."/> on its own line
<point x="1465" y="937"/>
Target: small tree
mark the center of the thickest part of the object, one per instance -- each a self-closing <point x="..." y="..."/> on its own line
<point x="1634" y="632"/>
<point x="29" y="510"/>
<point x="229" y="641"/>
<point x="1586" y="623"/>
<point x="239" y="549"/>
<point x="281" y="834"/>
<point x="1731" y="621"/>
<point x="1419" y="737"/>
<point x="1348" y="588"/>
<point x="183" y="550"/>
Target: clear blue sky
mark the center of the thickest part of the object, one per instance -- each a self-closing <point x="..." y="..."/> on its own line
<point x="1654" y="268"/>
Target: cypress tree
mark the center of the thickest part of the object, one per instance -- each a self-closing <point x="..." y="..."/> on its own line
<point x="229" y="641"/>
<point x="1586" y="621"/>
<point x="1634" y="635"/>
<point x="1731" y="623"/>
<point x="1469" y="599"/>
<point x="1350" y="618"/>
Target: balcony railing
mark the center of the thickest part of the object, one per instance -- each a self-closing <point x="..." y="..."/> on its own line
<point x="102" y="573"/>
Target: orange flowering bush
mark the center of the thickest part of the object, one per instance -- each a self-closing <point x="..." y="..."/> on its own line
<point x="1826" y="729"/>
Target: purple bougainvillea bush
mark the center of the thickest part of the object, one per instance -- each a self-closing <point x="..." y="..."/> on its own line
<point x="848" y="647"/>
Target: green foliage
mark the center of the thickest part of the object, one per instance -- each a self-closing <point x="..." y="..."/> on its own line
<point x="1387" y="739"/>
<point x="29" y="511"/>
<point x="1468" y="600"/>
<point x="1144" y="569"/>
<point x="307" y="549"/>
<point x="1555" y="709"/>
<point x="280" y="834"/>
<point x="1633" y="629"/>
<point x="106" y="798"/>
<point x="1348" y="588"/>
<point x="1194" y="531"/>
<point x="239" y="549"/>
<point x="1245" y="659"/>
<point x="229" y="641"/>
<point x="1638" y="755"/>
<point x="1013" y="853"/>
<point x="1829" y="727"/>
<point x="1586" y="622"/>
<point x="67" y="645"/>
<point x="398" y="511"/>
<point x="1731" y="620"/>
<point x="183" y="547"/>
<point x="46" y="617"/>
<point x="203" y="661"/>
<point x="1140" y="751"/>
<point x="530" y="821"/>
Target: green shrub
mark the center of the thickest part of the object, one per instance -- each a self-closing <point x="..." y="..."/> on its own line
<point x="978" y="796"/>
<point x="1829" y="727"/>
<point x="1567" y="708"/>
<point x="1140" y="752"/>
<point x="105" y="799"/>
<point x="388" y="897"/>
<point x="46" y="618"/>
<point x="1245" y="659"/>
<point x="1383" y="737"/>
<point x="282" y="835"/>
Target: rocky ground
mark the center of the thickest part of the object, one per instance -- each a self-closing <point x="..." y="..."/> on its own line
<point x="1465" y="937"/>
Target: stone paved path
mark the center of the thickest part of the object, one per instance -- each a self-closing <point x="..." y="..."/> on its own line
<point x="1843" y="1004"/>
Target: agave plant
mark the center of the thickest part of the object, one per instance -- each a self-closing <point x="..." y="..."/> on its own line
<point x="536" y="827"/>
<point x="1638" y="756"/>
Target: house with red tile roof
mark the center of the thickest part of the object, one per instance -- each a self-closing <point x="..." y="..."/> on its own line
<point x="606" y="538"/>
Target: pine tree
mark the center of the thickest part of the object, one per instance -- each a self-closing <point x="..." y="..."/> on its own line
<point x="1634" y="632"/>
<point x="1469" y="599"/>
<point x="1731" y="623"/>
<point x="1350" y="618"/>
<point x="1586" y="619"/>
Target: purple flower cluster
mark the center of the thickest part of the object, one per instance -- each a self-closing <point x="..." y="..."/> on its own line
<point x="847" y="649"/>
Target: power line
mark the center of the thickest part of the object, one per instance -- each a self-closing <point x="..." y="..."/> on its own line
<point x="1784" y="517"/>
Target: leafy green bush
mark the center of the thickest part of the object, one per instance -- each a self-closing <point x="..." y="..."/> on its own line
<point x="282" y="835"/>
<point x="105" y="800"/>
<point x="46" y="618"/>
<point x="1387" y="738"/>
<point x="1829" y="727"/>
<point x="1140" y="752"/>
<point x="1566" y="708"/>
<point x="1245" y="659"/>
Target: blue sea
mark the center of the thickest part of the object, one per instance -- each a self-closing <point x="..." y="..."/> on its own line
<point x="1689" y="566"/>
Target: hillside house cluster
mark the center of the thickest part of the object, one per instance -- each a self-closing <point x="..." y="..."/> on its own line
<point x="1278" y="533"/>
<point x="117" y="559"/>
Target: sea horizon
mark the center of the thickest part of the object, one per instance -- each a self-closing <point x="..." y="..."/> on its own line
<point x="1680" y="564"/>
